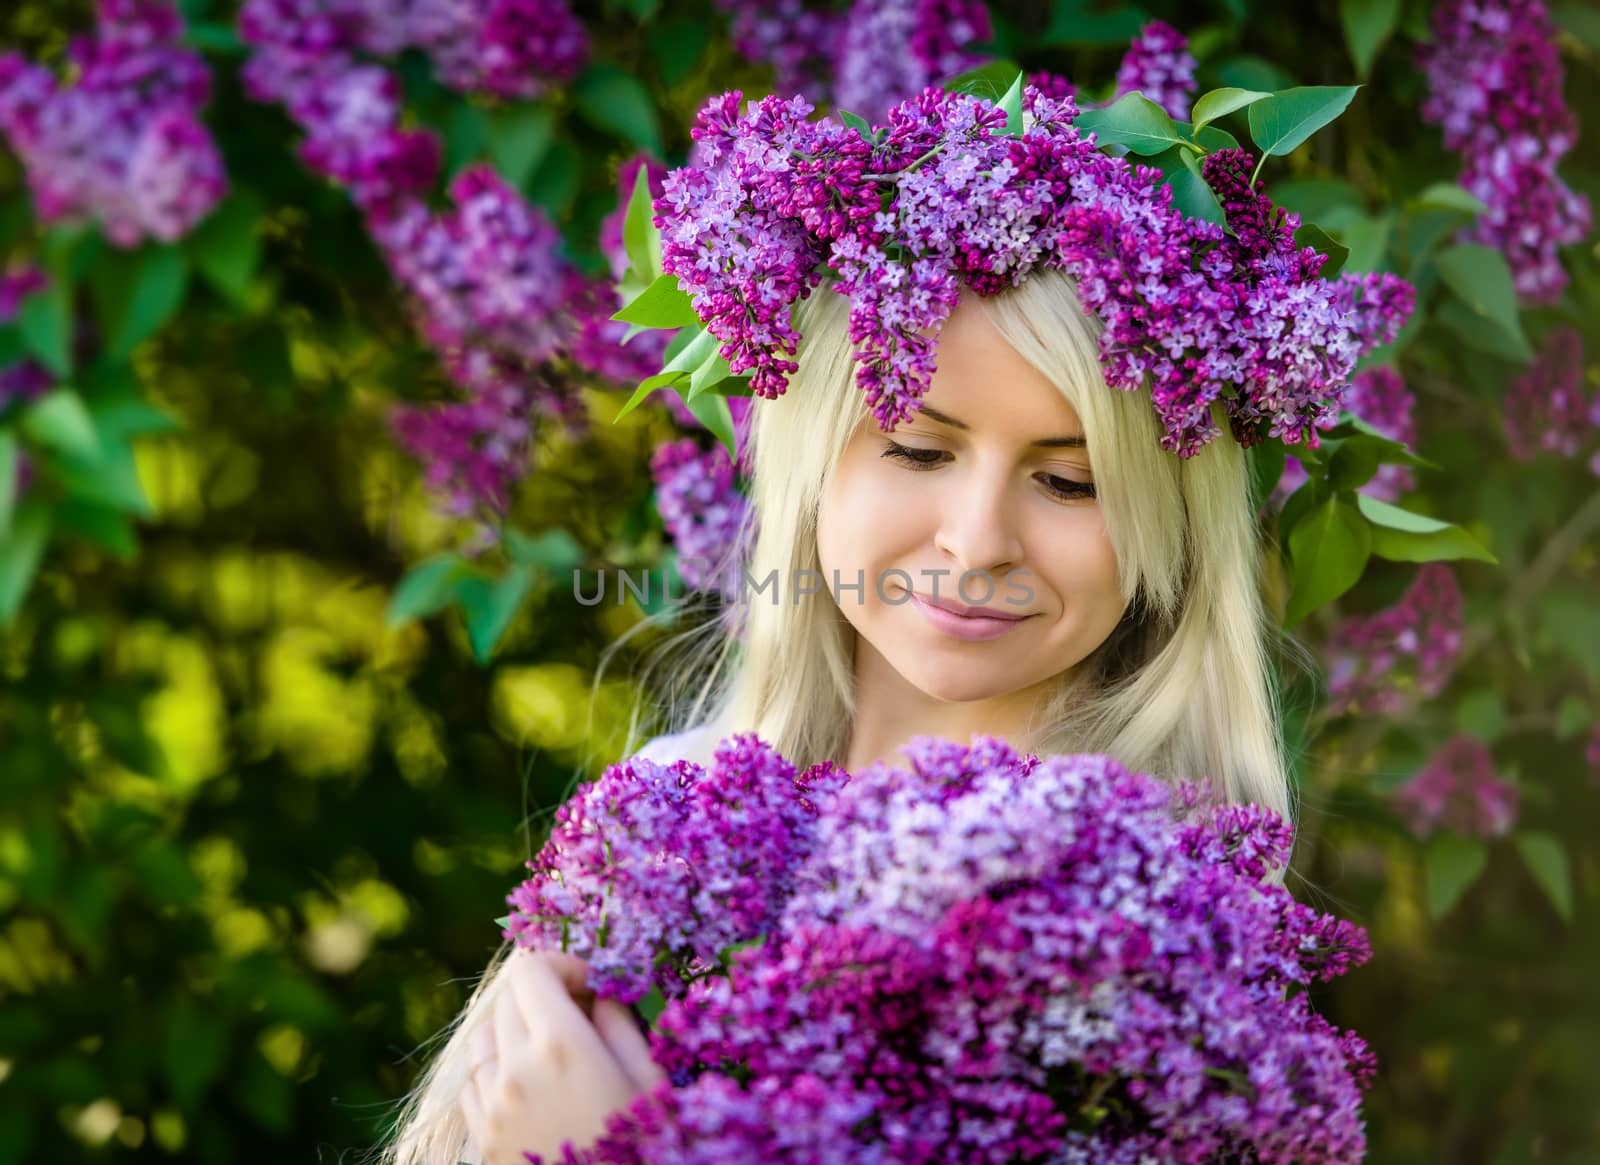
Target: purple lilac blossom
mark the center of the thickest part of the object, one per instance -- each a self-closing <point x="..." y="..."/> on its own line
<point x="865" y="59"/>
<point x="974" y="945"/>
<point x="1191" y="314"/>
<point x="1159" y="65"/>
<point x="1386" y="662"/>
<point x="701" y="509"/>
<point x="1458" y="790"/>
<point x="1548" y="409"/>
<point x="121" y="142"/>
<point x="672" y="859"/>
<point x="1379" y="397"/>
<point x="1494" y="87"/>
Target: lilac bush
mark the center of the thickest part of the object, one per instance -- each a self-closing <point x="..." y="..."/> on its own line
<point x="700" y="507"/>
<point x="120" y="142"/>
<point x="1458" y="790"/>
<point x="1386" y="662"/>
<point x="1494" y="87"/>
<point x="1548" y="409"/>
<point x="984" y="957"/>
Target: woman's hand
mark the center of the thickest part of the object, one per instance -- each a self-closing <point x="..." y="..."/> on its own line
<point x="550" y="1062"/>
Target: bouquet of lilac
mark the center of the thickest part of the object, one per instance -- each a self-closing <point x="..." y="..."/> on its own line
<point x="986" y="957"/>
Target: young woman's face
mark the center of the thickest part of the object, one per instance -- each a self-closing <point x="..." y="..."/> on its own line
<point x="988" y="481"/>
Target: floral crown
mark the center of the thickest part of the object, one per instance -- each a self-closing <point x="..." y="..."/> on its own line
<point x="1217" y="304"/>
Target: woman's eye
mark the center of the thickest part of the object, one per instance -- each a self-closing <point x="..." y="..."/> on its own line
<point x="923" y="459"/>
<point x="912" y="456"/>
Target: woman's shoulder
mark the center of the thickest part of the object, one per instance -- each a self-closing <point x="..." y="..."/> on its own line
<point x="691" y="744"/>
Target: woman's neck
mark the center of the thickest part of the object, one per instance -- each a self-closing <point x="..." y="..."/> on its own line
<point x="889" y="712"/>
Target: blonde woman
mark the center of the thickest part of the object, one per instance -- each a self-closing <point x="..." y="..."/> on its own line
<point x="1143" y="636"/>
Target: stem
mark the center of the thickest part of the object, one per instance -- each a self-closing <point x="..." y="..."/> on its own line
<point x="890" y="177"/>
<point x="1254" y="173"/>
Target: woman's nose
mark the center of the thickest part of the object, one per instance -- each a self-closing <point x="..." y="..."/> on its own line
<point x="978" y="526"/>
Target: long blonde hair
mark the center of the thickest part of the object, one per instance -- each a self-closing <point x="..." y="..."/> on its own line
<point x="1182" y="687"/>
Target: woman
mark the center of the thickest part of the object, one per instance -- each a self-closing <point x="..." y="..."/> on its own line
<point x="1129" y="576"/>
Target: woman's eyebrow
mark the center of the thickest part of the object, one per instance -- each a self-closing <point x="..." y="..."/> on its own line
<point x="1074" y="442"/>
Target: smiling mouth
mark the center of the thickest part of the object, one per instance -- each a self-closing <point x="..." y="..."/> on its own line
<point x="963" y="611"/>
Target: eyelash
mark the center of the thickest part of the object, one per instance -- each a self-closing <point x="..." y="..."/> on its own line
<point x="1074" y="489"/>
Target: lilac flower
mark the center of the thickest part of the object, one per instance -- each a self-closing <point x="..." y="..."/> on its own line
<point x="866" y="59"/>
<point x="700" y="507"/>
<point x="1458" y="790"/>
<point x="514" y="49"/>
<point x="1159" y="65"/>
<point x="1494" y="79"/>
<point x="1383" y="663"/>
<point x="892" y="49"/>
<point x="122" y="143"/>
<point x="654" y="858"/>
<point x="978" y="950"/>
<point x="1547" y="408"/>
<point x="941" y="201"/>
<point x="1379" y="397"/>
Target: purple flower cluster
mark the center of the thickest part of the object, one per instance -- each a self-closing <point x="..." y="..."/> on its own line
<point x="1458" y="790"/>
<point x="940" y="199"/>
<point x="1379" y="396"/>
<point x="512" y="49"/>
<point x="122" y="142"/>
<point x="1494" y="79"/>
<point x="865" y="59"/>
<point x="670" y="861"/>
<point x="1548" y="408"/>
<point x="985" y="957"/>
<point x="490" y="289"/>
<point x="1386" y="662"/>
<point x="700" y="507"/>
<point x="1159" y="64"/>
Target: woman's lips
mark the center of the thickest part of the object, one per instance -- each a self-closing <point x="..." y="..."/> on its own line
<point x="983" y="626"/>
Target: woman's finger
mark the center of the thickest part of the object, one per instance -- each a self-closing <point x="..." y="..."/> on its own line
<point x="617" y="1028"/>
<point x="509" y="1028"/>
<point x="540" y="992"/>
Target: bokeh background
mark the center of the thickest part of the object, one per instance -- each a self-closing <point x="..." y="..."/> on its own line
<point x="306" y="396"/>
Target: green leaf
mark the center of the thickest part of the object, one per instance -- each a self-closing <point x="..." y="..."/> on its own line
<point x="554" y="550"/>
<point x="1367" y="25"/>
<point x="1321" y="200"/>
<point x="426" y="589"/>
<point x="518" y="137"/>
<point x="1450" y="866"/>
<point x="226" y="247"/>
<point x="1393" y="452"/>
<point x="1481" y="713"/>
<point x="661" y="305"/>
<point x="678" y="42"/>
<point x="503" y="922"/>
<point x="1011" y="104"/>
<point x="1354" y="462"/>
<point x="1281" y="122"/>
<point x="1311" y="235"/>
<point x="989" y="80"/>
<point x="1191" y="193"/>
<point x="60" y="421"/>
<point x="1134" y="122"/>
<point x="135" y="294"/>
<point x="1267" y="460"/>
<point x="697" y="361"/>
<point x="1086" y="22"/>
<point x="1329" y="549"/>
<point x="45" y="323"/>
<point x="652" y="1005"/>
<point x="640" y="238"/>
<point x="616" y="101"/>
<point x="1480" y="279"/>
<point x="711" y="410"/>
<point x="1572" y="716"/>
<point x="489" y="607"/>
<point x="1546" y="859"/>
<point x="1447" y="196"/>
<point x="105" y="526"/>
<point x="112" y="478"/>
<point x="1221" y="102"/>
<point x="856" y="122"/>
<point x="8" y="480"/>
<point x="1480" y="335"/>
<point x="21" y="551"/>
<point x="1368" y="240"/>
<point x="1402" y="536"/>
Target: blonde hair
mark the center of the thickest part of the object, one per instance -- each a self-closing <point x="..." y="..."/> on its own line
<point x="1183" y="687"/>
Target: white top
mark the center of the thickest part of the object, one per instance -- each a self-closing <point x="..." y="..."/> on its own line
<point x="692" y="744"/>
